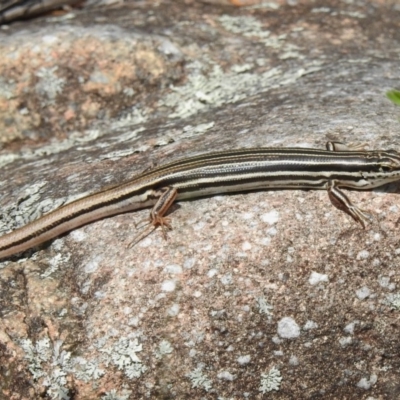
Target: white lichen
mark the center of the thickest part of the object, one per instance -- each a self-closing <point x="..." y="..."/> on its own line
<point x="366" y="384"/>
<point x="199" y="379"/>
<point x="393" y="301"/>
<point x="270" y="381"/>
<point x="163" y="348"/>
<point x="46" y="361"/>
<point x="226" y="375"/>
<point x="288" y="328"/>
<point x="264" y="307"/>
<point x="209" y="86"/>
<point x="55" y="263"/>
<point x="243" y="360"/>
<point x="250" y="27"/>
<point x="133" y="117"/>
<point x="114" y="395"/>
<point x="7" y="89"/>
<point x="245" y="25"/>
<point x="123" y="354"/>
<point x="49" y="85"/>
<point x="190" y="131"/>
<point x="87" y="370"/>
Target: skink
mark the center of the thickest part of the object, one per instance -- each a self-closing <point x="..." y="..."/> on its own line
<point x="221" y="172"/>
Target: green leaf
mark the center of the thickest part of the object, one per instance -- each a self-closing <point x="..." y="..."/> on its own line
<point x="394" y="96"/>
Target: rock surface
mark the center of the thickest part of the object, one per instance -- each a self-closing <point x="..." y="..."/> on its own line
<point x="257" y="295"/>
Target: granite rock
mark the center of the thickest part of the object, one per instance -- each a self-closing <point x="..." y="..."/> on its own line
<point x="271" y="294"/>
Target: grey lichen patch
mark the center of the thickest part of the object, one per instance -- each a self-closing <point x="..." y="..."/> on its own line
<point x="288" y="328"/>
<point x="8" y="158"/>
<point x="243" y="360"/>
<point x="190" y="131"/>
<point x="199" y="379"/>
<point x="264" y="307"/>
<point x="244" y="25"/>
<point x="125" y="138"/>
<point x="130" y="118"/>
<point x="321" y="10"/>
<point x="7" y="88"/>
<point x="226" y="376"/>
<point x="164" y="348"/>
<point x="75" y="138"/>
<point x="50" y="84"/>
<point x="393" y="300"/>
<point x="366" y="384"/>
<point x="123" y="354"/>
<point x="114" y="395"/>
<point x="270" y="381"/>
<point x="27" y="207"/>
<point x="55" y="263"/>
<point x="250" y="27"/>
<point x="54" y="369"/>
<point x="208" y="85"/>
<point x="214" y="88"/>
<point x="352" y="14"/>
<point x="265" y="4"/>
<point x="49" y="366"/>
<point x="87" y="370"/>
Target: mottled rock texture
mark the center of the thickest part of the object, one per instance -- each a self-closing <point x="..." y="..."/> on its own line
<point x="259" y="295"/>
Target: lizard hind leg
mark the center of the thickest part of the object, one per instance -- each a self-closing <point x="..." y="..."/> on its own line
<point x="167" y="196"/>
<point x="142" y="235"/>
<point x="343" y="203"/>
<point x="152" y="225"/>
